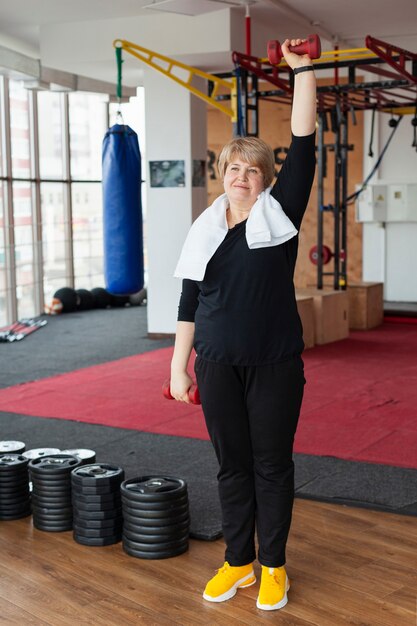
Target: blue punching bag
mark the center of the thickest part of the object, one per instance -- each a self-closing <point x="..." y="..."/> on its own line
<point x="123" y="234"/>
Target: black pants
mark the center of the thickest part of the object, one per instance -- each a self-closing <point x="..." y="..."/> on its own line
<point x="251" y="415"/>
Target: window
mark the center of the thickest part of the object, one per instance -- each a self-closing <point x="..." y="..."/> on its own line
<point x="87" y="229"/>
<point x="50" y="135"/>
<point x="87" y="117"/>
<point x="55" y="240"/>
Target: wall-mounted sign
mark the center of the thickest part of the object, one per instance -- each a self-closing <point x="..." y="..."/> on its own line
<point x="167" y="173"/>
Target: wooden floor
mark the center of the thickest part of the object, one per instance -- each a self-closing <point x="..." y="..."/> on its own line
<point x="346" y="565"/>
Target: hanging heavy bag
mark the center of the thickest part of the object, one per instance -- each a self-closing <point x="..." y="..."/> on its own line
<point x="122" y="219"/>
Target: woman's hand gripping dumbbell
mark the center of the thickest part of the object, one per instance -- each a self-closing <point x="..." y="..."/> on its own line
<point x="193" y="393"/>
<point x="310" y="46"/>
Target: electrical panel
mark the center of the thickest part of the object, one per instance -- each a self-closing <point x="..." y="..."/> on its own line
<point x="387" y="202"/>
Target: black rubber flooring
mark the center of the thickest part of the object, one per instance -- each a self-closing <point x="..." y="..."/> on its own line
<point x="78" y="340"/>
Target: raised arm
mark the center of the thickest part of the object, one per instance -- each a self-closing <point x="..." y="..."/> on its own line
<point x="303" y="116"/>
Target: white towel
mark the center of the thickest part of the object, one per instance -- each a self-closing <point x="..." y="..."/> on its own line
<point x="267" y="226"/>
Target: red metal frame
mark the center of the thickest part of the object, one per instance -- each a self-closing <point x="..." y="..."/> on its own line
<point x="385" y="51"/>
<point x="382" y="94"/>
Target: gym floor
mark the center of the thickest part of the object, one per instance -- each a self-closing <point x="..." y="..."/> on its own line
<point x="346" y="564"/>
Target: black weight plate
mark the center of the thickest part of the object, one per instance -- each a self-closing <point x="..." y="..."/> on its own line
<point x="59" y="512"/>
<point x="113" y="514"/>
<point x="154" y="488"/>
<point x="52" y="492"/>
<point x="14" y="500"/>
<point x="98" y="523"/>
<point x="16" y="509"/>
<point x="161" y="510"/>
<point x="97" y="474"/>
<point x="96" y="506"/>
<point x="55" y="517"/>
<point x="26" y="513"/>
<point x="97" y="532"/>
<point x="54" y="496"/>
<point x="98" y="541"/>
<point x="155" y="506"/>
<point x="100" y="499"/>
<point x="52" y="503"/>
<point x="16" y="483"/>
<point x="85" y="455"/>
<point x="143" y="521"/>
<point x="16" y="476"/>
<point x="154" y="539"/>
<point x="53" y="465"/>
<point x="12" y="447"/>
<point x="100" y="490"/>
<point x="6" y="504"/>
<point x="35" y="453"/>
<point x="48" y="482"/>
<point x="148" y="547"/>
<point x="163" y="554"/>
<point x="52" y="528"/>
<point x="56" y="493"/>
<point x="157" y="515"/>
<point x="183" y="527"/>
<point x="8" y="493"/>
<point x="12" y="462"/>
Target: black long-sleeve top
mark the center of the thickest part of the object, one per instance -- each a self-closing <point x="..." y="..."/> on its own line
<point x="244" y="309"/>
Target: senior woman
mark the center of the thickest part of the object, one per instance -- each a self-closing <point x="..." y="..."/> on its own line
<point x="238" y="310"/>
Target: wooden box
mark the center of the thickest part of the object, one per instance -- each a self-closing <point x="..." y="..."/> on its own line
<point x="366" y="305"/>
<point x="331" y="314"/>
<point x="305" y="306"/>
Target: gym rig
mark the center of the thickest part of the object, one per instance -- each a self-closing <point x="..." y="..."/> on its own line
<point x="395" y="90"/>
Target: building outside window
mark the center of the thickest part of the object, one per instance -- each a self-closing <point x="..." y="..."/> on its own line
<point x="69" y="222"/>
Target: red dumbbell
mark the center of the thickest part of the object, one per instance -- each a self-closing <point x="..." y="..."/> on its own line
<point x="193" y="393"/>
<point x="312" y="47"/>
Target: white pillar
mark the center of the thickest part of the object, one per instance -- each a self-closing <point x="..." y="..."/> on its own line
<point x="176" y="130"/>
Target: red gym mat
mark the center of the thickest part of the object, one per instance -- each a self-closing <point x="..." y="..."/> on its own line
<point x="360" y="398"/>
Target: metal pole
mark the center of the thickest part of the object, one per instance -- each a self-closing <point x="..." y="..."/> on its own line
<point x="320" y="199"/>
<point x="336" y="209"/>
<point x="11" y="298"/>
<point x="344" y="214"/>
<point x="67" y="195"/>
<point x="38" y="269"/>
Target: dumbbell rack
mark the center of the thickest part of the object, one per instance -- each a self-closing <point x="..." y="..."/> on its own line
<point x="337" y="101"/>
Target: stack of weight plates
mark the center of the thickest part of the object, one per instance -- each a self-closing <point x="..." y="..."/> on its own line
<point x="12" y="447"/>
<point x="51" y="494"/>
<point x="14" y="487"/>
<point x="97" y="504"/>
<point x="86" y="456"/>
<point x="156" y="517"/>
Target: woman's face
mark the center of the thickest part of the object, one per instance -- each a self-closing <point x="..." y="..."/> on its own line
<point x="243" y="182"/>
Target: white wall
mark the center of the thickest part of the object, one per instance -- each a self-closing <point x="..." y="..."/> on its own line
<point x="175" y="130"/>
<point x="389" y="250"/>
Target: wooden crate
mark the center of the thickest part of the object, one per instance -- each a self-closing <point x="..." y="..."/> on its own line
<point x="305" y="305"/>
<point x="366" y="305"/>
<point x="331" y="314"/>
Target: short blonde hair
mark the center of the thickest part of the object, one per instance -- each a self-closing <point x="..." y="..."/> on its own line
<point x="252" y="150"/>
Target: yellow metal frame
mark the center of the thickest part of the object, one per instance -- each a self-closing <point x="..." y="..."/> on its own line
<point x="148" y="56"/>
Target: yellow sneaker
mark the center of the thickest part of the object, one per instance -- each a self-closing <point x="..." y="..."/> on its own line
<point x="227" y="581"/>
<point x="273" y="589"/>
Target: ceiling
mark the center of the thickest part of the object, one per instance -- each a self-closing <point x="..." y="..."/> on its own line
<point x="22" y="22"/>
